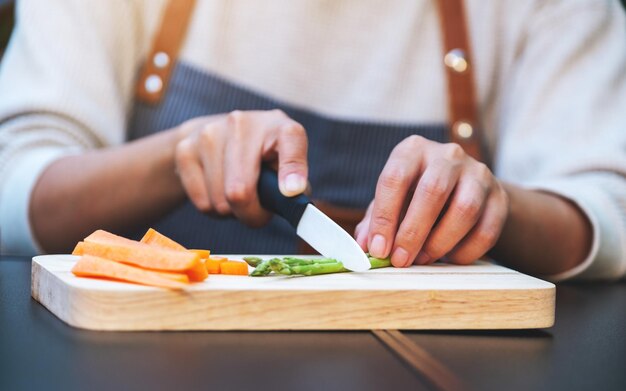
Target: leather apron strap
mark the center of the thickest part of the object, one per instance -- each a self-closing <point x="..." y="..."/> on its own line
<point x="157" y="68"/>
<point x="463" y="115"/>
<point x="463" y="118"/>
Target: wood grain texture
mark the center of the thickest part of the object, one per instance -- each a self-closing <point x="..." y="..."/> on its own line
<point x="481" y="296"/>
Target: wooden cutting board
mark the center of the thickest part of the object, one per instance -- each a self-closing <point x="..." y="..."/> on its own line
<point x="481" y="296"/>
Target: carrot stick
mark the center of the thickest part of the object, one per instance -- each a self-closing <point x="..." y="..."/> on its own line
<point x="143" y="255"/>
<point x="180" y="277"/>
<point x="198" y="272"/>
<point x="234" y="268"/>
<point x="154" y="237"/>
<point x="89" y="266"/>
<point x="102" y="236"/>
<point x="204" y="254"/>
<point x="78" y="250"/>
<point x="213" y="264"/>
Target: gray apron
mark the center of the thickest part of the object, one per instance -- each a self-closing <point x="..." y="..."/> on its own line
<point x="345" y="159"/>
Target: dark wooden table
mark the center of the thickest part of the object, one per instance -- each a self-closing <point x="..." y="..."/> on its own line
<point x="585" y="350"/>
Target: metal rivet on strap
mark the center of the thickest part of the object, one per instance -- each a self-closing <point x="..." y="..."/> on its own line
<point x="455" y="60"/>
<point x="463" y="129"/>
<point x="153" y="84"/>
<point x="161" y="60"/>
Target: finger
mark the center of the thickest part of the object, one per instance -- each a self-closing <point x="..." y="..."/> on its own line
<point x="430" y="197"/>
<point x="362" y="229"/>
<point x="242" y="163"/>
<point x="191" y="174"/>
<point x="361" y="234"/>
<point x="485" y="233"/>
<point x="211" y="151"/>
<point x="466" y="207"/>
<point x="293" y="169"/>
<point x="398" y="175"/>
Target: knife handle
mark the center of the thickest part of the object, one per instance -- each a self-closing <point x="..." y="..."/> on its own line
<point x="290" y="208"/>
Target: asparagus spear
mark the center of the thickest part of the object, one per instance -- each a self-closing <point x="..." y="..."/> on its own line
<point x="378" y="263"/>
<point x="253" y="261"/>
<point x="309" y="267"/>
<point x="333" y="267"/>
<point x="263" y="269"/>
<point x="319" y="268"/>
<point x="299" y="261"/>
<point x="278" y="266"/>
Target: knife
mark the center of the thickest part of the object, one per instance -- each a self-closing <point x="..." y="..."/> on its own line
<point x="317" y="229"/>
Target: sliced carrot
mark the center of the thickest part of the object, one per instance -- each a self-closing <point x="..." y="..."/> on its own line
<point x="154" y="237"/>
<point x="102" y="236"/>
<point x="198" y="272"/>
<point x="78" y="250"/>
<point x="180" y="277"/>
<point x="234" y="267"/>
<point x="143" y="255"/>
<point x="89" y="266"/>
<point x="204" y="254"/>
<point x="213" y="264"/>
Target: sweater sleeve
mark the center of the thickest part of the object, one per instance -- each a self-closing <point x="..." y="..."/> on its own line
<point x="562" y="123"/>
<point x="66" y="84"/>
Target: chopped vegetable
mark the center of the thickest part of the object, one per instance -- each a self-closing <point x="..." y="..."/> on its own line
<point x="90" y="266"/>
<point x="377" y="263"/>
<point x="279" y="266"/>
<point x="253" y="261"/>
<point x="234" y="268"/>
<point x="197" y="272"/>
<point x="318" y="268"/>
<point x="143" y="255"/>
<point x="204" y="254"/>
<point x="157" y="260"/>
<point x="263" y="269"/>
<point x="154" y="237"/>
<point x="213" y="264"/>
<point x="102" y="236"/>
<point x="299" y="261"/>
<point x="308" y="267"/>
<point x="78" y="250"/>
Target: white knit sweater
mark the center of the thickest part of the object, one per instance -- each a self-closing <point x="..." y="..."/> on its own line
<point x="551" y="79"/>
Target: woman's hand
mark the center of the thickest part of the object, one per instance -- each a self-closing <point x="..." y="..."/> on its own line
<point x="218" y="160"/>
<point x="432" y="200"/>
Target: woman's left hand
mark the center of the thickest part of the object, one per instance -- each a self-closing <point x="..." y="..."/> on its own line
<point x="432" y="201"/>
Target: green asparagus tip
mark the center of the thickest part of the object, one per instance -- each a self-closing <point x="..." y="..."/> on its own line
<point x="253" y="261"/>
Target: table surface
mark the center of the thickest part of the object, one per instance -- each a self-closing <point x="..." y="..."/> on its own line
<point x="586" y="349"/>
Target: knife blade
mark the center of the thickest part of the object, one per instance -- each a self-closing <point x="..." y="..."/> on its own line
<point x="311" y="224"/>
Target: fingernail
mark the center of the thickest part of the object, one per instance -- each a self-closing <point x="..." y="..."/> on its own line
<point x="400" y="257"/>
<point x="377" y="249"/>
<point x="294" y="184"/>
<point x="422" y="258"/>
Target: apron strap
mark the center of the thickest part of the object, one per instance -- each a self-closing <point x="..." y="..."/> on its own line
<point x="155" y="74"/>
<point x="463" y="118"/>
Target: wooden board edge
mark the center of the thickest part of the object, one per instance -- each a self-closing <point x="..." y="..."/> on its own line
<point x="43" y="283"/>
<point x="85" y="314"/>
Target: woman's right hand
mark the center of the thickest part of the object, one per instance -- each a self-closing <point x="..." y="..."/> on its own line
<point x="218" y="160"/>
